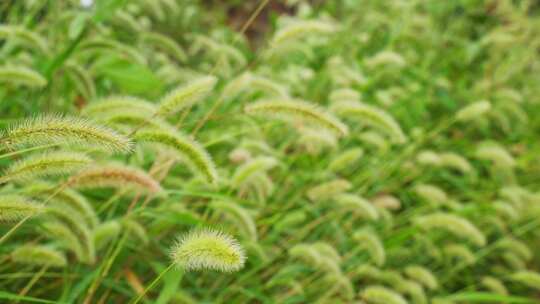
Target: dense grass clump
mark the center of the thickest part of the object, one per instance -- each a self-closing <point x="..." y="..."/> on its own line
<point x="282" y="151"/>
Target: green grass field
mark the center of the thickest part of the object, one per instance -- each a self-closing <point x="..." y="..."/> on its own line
<point x="270" y="151"/>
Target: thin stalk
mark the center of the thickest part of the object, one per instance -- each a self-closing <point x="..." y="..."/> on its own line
<point x="33" y="281"/>
<point x="154" y="282"/>
<point x="19" y="224"/>
<point x="106" y="267"/>
<point x="27" y="150"/>
<point x="244" y="28"/>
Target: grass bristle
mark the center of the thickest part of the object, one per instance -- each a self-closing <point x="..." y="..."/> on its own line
<point x="300" y="110"/>
<point x="347" y="151"/>
<point x="16" y="207"/>
<point x="57" y="129"/>
<point x="38" y="255"/>
<point x="46" y="164"/>
<point x="208" y="249"/>
<point x="115" y="176"/>
<point x="188" y="150"/>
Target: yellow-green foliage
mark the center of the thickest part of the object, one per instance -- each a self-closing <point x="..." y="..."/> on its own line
<point x="345" y="151"/>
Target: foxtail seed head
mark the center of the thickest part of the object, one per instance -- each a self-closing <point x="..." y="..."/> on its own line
<point x="186" y="95"/>
<point x="208" y="249"/>
<point x="38" y="255"/>
<point x="56" y="129"/>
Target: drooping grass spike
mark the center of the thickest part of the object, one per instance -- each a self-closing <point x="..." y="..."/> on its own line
<point x="15" y="207"/>
<point x="187" y="149"/>
<point x="63" y="197"/>
<point x="457" y="225"/>
<point x="370" y="241"/>
<point x="473" y="111"/>
<point x="298" y="110"/>
<point x="376" y="294"/>
<point x="422" y="275"/>
<point x="67" y="216"/>
<point x="114" y="176"/>
<point x="19" y="75"/>
<point x="375" y="117"/>
<point x="56" y="129"/>
<point x="45" y="164"/>
<point x="38" y="255"/>
<point x="240" y="215"/>
<point x="122" y="103"/>
<point x="251" y="168"/>
<point x="186" y="95"/>
<point x="300" y="28"/>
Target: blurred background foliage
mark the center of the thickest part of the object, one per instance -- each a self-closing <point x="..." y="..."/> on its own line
<point x="419" y="61"/>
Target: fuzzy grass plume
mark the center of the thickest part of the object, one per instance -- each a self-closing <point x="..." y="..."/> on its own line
<point x="186" y="95"/>
<point x="328" y="190"/>
<point x="64" y="237"/>
<point x="24" y="36"/>
<point x="15" y="207"/>
<point x="76" y="224"/>
<point x="19" y="75"/>
<point x="56" y="129"/>
<point x="63" y="197"/>
<point x="38" y="255"/>
<point x="251" y="168"/>
<point x="457" y="225"/>
<point x="369" y="240"/>
<point x="298" y="110"/>
<point x="115" y="176"/>
<point x="241" y="216"/>
<point x="105" y="233"/>
<point x="374" y="117"/>
<point x="422" y="275"/>
<point x="188" y="150"/>
<point x="165" y="44"/>
<point x="494" y="285"/>
<point x="528" y="278"/>
<point x="208" y="249"/>
<point x="346" y="160"/>
<point x="46" y="164"/>
<point x="376" y="294"/>
<point x="118" y="102"/>
<point x="298" y="29"/>
<point x="473" y="111"/>
<point x="372" y="153"/>
<point x="357" y="205"/>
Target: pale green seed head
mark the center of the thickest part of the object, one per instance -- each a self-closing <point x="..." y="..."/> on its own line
<point x="208" y="249"/>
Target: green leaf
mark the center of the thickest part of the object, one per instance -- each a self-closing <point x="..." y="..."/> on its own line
<point x="487" y="297"/>
<point x="175" y="217"/>
<point x="11" y="296"/>
<point x="171" y="283"/>
<point x="82" y="285"/>
<point x="77" y="25"/>
<point x="130" y="77"/>
<point x="105" y="9"/>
